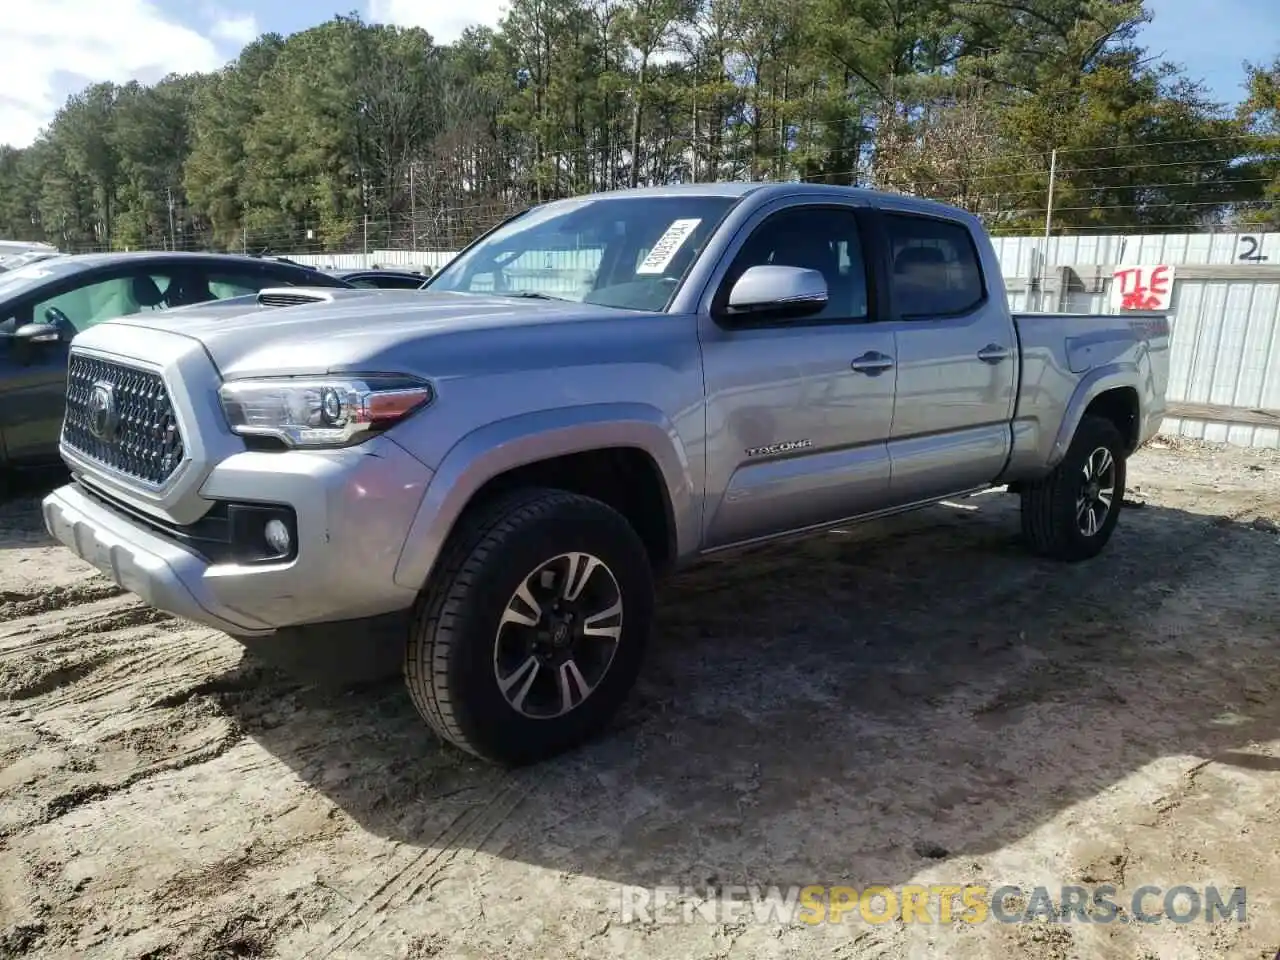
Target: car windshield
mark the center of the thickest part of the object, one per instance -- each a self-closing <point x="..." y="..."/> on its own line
<point x="21" y="279"/>
<point x="624" y="252"/>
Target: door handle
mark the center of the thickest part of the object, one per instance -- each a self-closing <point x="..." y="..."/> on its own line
<point x="872" y="363"/>
<point x="992" y="353"/>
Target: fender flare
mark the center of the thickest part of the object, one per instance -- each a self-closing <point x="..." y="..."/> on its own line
<point x="499" y="447"/>
<point x="1098" y="381"/>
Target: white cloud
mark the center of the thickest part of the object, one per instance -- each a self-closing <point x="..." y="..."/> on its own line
<point x="54" y="47"/>
<point x="445" y="21"/>
<point x="238" y="30"/>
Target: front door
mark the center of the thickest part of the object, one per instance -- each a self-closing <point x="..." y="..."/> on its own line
<point x="957" y="361"/>
<point x="798" y="411"/>
<point x="33" y="384"/>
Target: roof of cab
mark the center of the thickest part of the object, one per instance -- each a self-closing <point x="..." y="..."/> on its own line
<point x="767" y="189"/>
<point x="95" y="259"/>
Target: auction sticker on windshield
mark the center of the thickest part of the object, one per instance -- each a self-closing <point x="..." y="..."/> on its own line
<point x="668" y="245"/>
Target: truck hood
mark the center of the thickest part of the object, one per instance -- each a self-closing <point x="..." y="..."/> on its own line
<point x="348" y="330"/>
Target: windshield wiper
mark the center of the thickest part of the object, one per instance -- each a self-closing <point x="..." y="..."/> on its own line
<point x="529" y="295"/>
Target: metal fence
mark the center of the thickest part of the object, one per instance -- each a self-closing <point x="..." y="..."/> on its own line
<point x="1224" y="312"/>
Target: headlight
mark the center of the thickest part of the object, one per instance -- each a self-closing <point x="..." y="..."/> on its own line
<point x="321" y="411"/>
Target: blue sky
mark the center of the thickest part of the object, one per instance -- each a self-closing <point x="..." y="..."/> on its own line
<point x="54" y="47"/>
<point x="1213" y="39"/>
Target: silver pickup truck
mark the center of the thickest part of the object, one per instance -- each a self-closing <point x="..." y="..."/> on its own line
<point x="596" y="392"/>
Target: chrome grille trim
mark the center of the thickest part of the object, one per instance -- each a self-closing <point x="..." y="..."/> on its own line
<point x="146" y="444"/>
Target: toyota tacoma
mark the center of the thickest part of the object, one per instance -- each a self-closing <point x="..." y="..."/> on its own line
<point x="595" y="393"/>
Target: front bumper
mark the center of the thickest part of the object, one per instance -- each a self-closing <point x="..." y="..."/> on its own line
<point x="354" y="508"/>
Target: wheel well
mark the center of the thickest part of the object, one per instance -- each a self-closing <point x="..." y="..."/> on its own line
<point x="626" y="478"/>
<point x="1120" y="406"/>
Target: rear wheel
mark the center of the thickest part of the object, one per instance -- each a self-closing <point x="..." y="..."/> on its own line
<point x="1071" y="514"/>
<point x="531" y="633"/>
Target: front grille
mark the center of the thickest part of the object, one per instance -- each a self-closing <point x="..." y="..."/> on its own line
<point x="137" y="435"/>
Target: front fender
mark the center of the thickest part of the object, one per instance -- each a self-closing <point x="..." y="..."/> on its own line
<point x="504" y="445"/>
<point x="1096" y="382"/>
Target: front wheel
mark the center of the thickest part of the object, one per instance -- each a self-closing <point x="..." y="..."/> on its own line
<point x="531" y="633"/>
<point x="1071" y="514"/>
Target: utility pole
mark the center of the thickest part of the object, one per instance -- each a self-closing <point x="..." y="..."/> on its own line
<point x="413" y="211"/>
<point x="364" y="203"/>
<point x="1048" y="221"/>
<point x="173" y="237"/>
<point x="1053" y="176"/>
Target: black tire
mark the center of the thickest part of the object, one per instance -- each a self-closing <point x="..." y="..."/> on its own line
<point x="451" y="667"/>
<point x="1049" y="507"/>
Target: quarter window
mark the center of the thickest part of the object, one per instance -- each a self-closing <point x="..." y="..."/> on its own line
<point x="934" y="267"/>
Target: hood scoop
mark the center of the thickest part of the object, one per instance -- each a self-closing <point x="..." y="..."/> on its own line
<point x="292" y="296"/>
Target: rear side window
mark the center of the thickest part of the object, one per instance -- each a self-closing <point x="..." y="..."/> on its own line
<point x="398" y="283"/>
<point x="934" y="267"/>
<point x="387" y="282"/>
<point x="302" y="278"/>
<point x="222" y="284"/>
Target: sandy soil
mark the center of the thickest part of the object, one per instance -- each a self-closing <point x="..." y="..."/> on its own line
<point x="913" y="703"/>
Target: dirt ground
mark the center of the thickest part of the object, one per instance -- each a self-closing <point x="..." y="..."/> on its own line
<point x="916" y="702"/>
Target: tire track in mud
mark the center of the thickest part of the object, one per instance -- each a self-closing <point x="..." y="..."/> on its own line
<point x="78" y="791"/>
<point x="149" y="670"/>
<point x="59" y="661"/>
<point x="401" y="882"/>
<point x="78" y="647"/>
<point x="66" y="802"/>
<point x="28" y="603"/>
<point x="94" y="769"/>
<point x="59" y="640"/>
<point x="42" y="674"/>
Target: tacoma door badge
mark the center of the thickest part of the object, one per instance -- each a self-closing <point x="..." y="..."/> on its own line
<point x="777" y="449"/>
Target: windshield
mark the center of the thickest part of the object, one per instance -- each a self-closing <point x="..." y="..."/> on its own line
<point x="21" y="279"/>
<point x="31" y="256"/>
<point x="625" y="252"/>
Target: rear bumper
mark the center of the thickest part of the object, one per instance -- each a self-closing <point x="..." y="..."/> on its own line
<point x="353" y="511"/>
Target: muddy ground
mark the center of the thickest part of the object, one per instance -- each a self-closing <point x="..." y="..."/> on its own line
<point x="913" y="703"/>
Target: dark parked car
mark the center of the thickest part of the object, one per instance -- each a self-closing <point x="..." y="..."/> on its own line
<point x="381" y="279"/>
<point x="44" y="304"/>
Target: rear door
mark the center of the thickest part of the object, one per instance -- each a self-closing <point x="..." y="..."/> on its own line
<point x="956" y="359"/>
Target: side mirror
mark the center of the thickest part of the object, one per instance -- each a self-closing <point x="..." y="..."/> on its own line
<point x="779" y="292"/>
<point x="37" y="333"/>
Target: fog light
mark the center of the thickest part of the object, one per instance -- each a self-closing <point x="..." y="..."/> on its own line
<point x="277" y="536"/>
